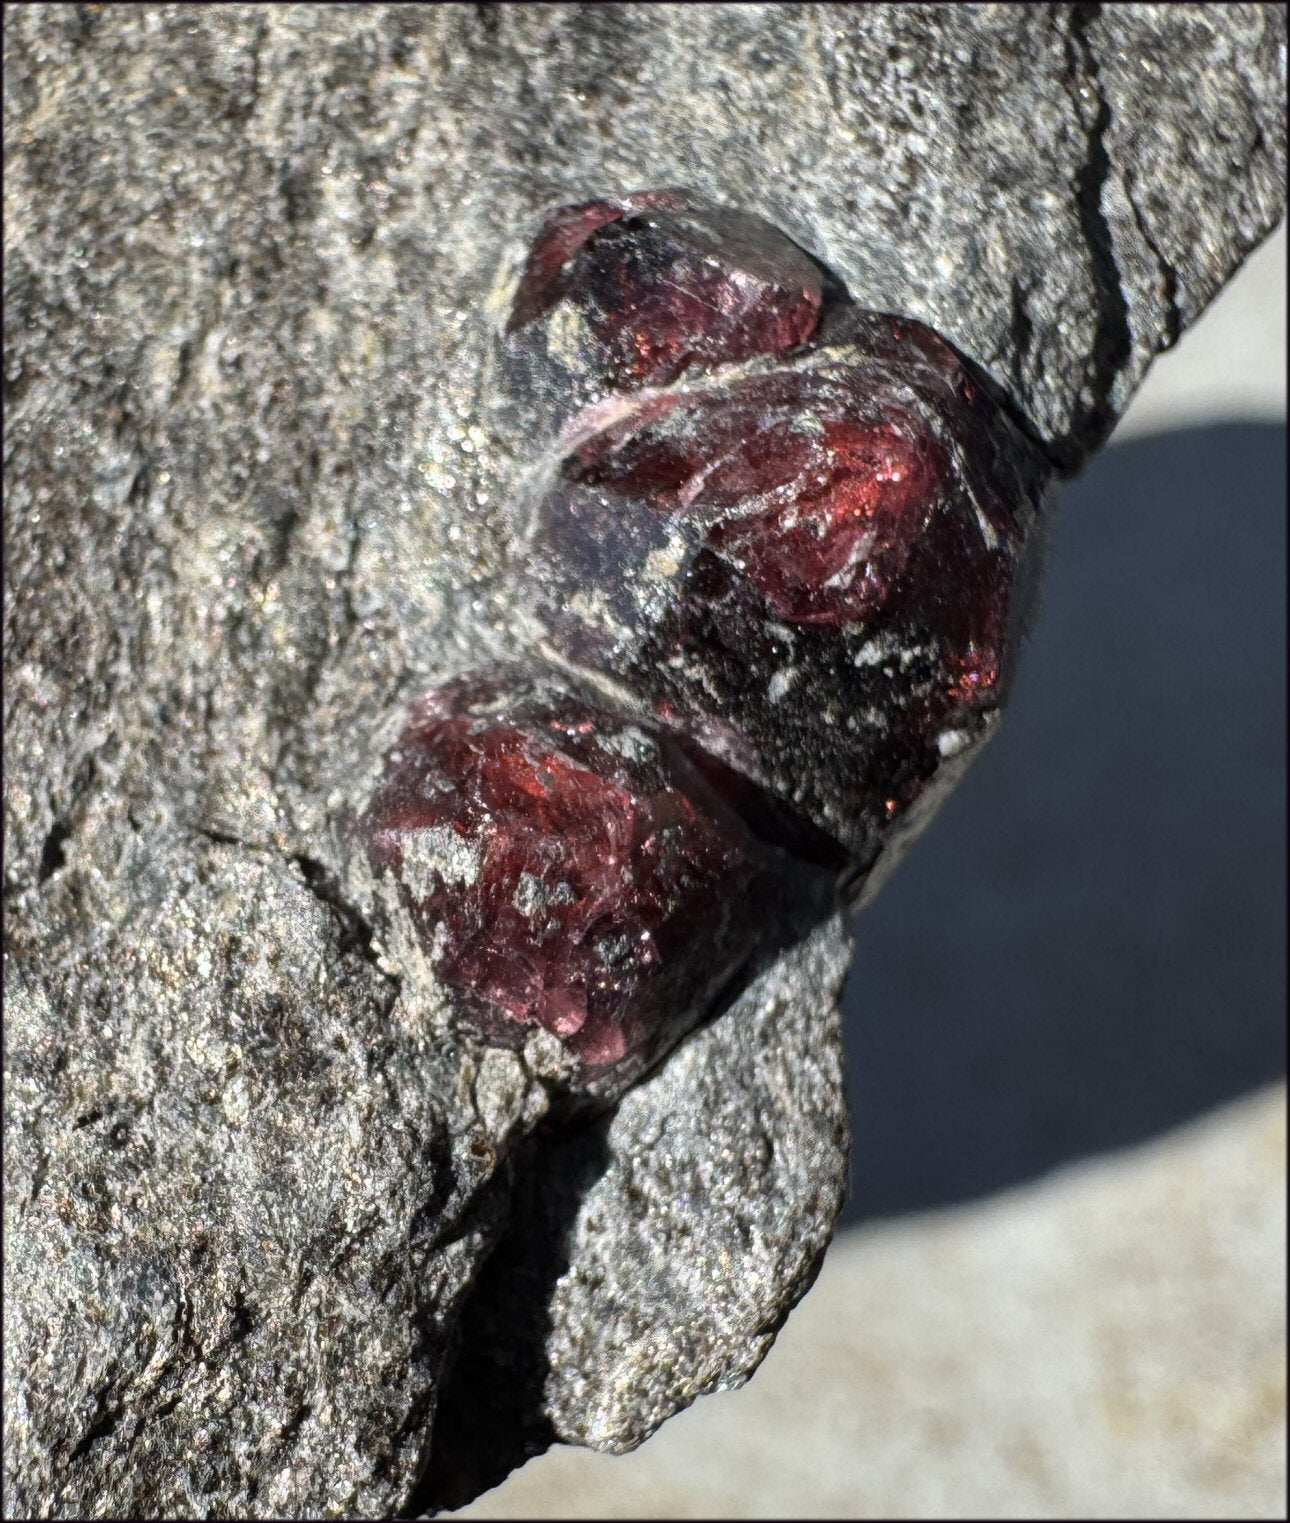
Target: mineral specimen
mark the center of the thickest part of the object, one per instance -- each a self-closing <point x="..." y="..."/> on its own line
<point x="642" y="289"/>
<point x="248" y="253"/>
<point x="568" y="869"/>
<point x="814" y="571"/>
<point x="789" y="574"/>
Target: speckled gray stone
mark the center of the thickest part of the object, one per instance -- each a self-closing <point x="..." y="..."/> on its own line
<point x="232" y="1182"/>
<point x="256" y="498"/>
<point x="652" y="1258"/>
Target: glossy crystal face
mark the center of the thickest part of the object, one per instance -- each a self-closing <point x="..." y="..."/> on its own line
<point x="643" y="291"/>
<point x="792" y="572"/>
<point x="667" y="283"/>
<point x="565" y="868"/>
<point x="808" y="497"/>
<point x="806" y="570"/>
<point x="840" y="512"/>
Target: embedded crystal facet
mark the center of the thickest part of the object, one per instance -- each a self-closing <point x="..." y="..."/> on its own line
<point x="792" y="567"/>
<point x="643" y="290"/>
<point x="565" y="868"/>
<point x="814" y="572"/>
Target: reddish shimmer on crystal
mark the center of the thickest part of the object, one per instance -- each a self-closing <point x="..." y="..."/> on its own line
<point x="659" y="312"/>
<point x="666" y="282"/>
<point x="814" y="504"/>
<point x="800" y="572"/>
<point x="561" y="236"/>
<point x="561" y="864"/>
<point x="841" y="531"/>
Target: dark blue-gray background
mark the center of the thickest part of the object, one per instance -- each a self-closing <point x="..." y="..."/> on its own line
<point x="1088" y="946"/>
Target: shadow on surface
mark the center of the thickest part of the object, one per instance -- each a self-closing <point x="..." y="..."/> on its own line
<point x="490" y="1416"/>
<point x="1089" y="945"/>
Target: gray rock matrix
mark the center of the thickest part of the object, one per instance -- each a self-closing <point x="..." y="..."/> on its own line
<point x="264" y="1232"/>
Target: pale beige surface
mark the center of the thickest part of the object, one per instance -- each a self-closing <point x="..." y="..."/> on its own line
<point x="1107" y="1342"/>
<point x="1232" y="365"/>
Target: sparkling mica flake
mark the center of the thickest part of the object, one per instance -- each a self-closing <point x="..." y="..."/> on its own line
<point x="565" y="868"/>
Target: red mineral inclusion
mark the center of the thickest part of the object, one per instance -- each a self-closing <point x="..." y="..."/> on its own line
<point x="809" y="570"/>
<point x="563" y="233"/>
<point x="563" y="865"/>
<point x="667" y="283"/>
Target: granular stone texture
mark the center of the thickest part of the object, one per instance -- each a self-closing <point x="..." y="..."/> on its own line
<point x="258" y="500"/>
<point x="601" y="1212"/>
<point x="239" y="1223"/>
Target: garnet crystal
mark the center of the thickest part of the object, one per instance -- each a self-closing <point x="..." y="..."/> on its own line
<point x="644" y="290"/>
<point x="814" y="572"/>
<point x="566" y="868"/>
<point x="798" y="558"/>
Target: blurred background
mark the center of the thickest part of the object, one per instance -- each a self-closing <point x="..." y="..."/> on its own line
<point x="1058" y="1289"/>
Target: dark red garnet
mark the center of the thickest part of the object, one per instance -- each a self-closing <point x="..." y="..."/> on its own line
<point x="808" y="570"/>
<point x="801" y="567"/>
<point x="565" y="868"/>
<point x="833" y="539"/>
<point x="560" y="237"/>
<point x="661" y="283"/>
<point x="810" y="495"/>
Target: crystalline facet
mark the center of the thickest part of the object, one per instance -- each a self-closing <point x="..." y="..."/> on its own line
<point x="565" y="868"/>
<point x="810" y="572"/>
<point x="642" y="290"/>
<point x="791" y="568"/>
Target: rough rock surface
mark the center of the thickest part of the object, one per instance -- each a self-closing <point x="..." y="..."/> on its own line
<point x="254" y="504"/>
<point x="665" y="1252"/>
<point x="232" y="1183"/>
